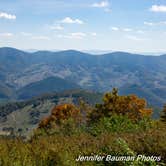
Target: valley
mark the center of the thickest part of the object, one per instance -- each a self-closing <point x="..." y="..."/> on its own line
<point x="23" y="75"/>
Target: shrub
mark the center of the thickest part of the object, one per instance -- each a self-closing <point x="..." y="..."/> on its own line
<point x="131" y="106"/>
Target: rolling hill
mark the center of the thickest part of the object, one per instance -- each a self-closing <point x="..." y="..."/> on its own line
<point x="27" y="73"/>
<point x="50" y="84"/>
<point x="24" y="116"/>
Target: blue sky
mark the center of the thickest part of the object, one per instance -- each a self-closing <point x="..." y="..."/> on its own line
<point x="123" y="25"/>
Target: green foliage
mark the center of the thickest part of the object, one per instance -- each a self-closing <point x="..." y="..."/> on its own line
<point x="112" y="124"/>
<point x="63" y="150"/>
<point x="119" y="124"/>
<point x="67" y="133"/>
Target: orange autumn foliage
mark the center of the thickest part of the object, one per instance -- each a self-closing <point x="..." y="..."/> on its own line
<point x="60" y="113"/>
<point x="132" y="106"/>
<point x="65" y="111"/>
<point x="146" y="112"/>
<point x="45" y="122"/>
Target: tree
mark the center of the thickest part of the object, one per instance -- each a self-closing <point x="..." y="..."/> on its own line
<point x="61" y="113"/>
<point x="131" y="105"/>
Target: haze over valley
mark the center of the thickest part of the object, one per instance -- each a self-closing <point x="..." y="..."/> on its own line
<point x="24" y="75"/>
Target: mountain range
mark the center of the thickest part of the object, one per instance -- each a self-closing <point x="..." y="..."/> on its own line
<point x="24" y="75"/>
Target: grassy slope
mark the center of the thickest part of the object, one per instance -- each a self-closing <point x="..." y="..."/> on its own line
<point x="26" y="115"/>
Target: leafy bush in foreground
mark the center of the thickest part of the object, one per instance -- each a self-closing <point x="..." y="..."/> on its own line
<point x="119" y="126"/>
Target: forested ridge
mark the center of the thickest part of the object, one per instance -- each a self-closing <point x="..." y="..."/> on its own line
<point x="24" y="75"/>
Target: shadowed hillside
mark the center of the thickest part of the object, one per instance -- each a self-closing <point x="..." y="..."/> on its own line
<point x="131" y="73"/>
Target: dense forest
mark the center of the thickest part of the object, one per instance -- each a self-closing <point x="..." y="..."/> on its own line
<point x="121" y="125"/>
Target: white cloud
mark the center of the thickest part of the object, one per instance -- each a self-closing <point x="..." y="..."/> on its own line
<point x="40" y="38"/>
<point x="57" y="27"/>
<point x="115" y="28"/>
<point x="101" y="4"/>
<point x="127" y="29"/>
<point x="155" y="23"/>
<point x="135" y="38"/>
<point x="6" y="34"/>
<point x="26" y="34"/>
<point x="93" y="34"/>
<point x="140" y="31"/>
<point x="77" y="35"/>
<point x="162" y="22"/>
<point x="69" y="20"/>
<point x="60" y="36"/>
<point x="7" y="16"/>
<point x="74" y="35"/>
<point x="148" y="23"/>
<point x="158" y="8"/>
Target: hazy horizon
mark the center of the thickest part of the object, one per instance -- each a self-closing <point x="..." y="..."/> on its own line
<point x="93" y="51"/>
<point x="133" y="26"/>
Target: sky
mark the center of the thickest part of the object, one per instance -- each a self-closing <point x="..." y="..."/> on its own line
<point x="117" y="25"/>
